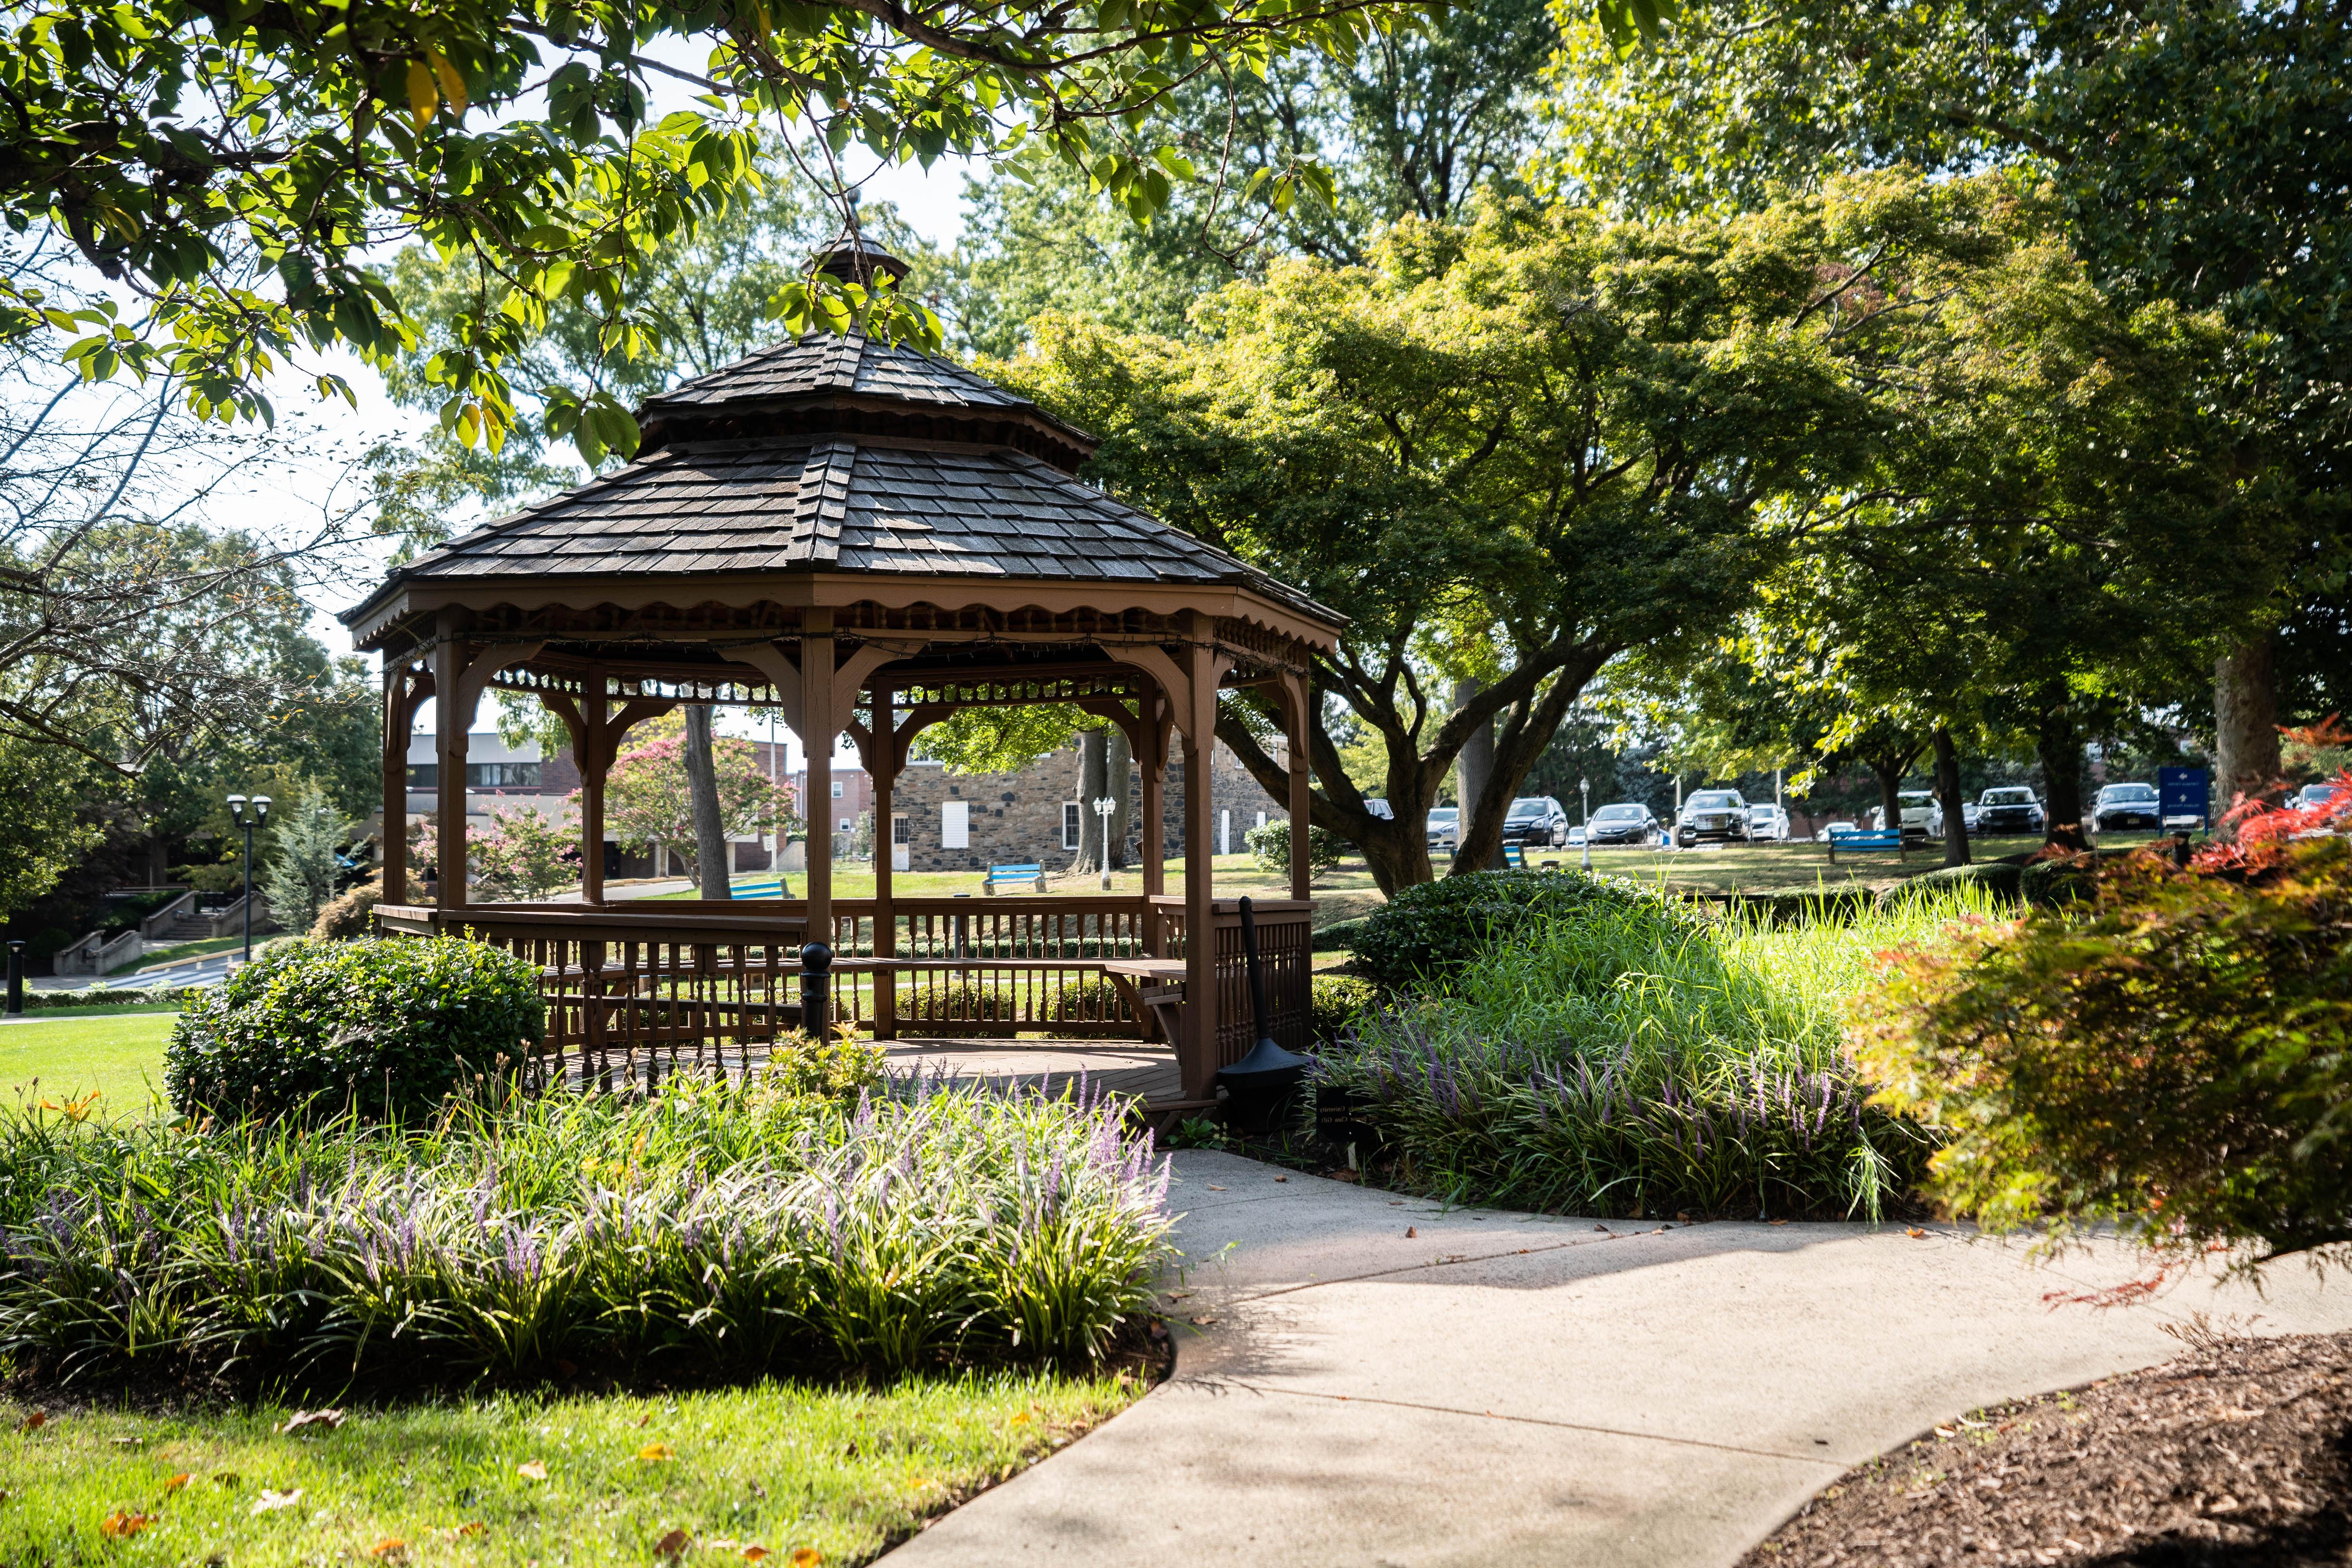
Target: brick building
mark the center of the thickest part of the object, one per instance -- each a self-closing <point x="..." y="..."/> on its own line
<point x="969" y="821"/>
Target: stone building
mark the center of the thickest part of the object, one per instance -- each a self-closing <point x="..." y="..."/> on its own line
<point x="969" y="821"/>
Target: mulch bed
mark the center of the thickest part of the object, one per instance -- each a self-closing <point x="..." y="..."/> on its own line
<point x="2239" y="1453"/>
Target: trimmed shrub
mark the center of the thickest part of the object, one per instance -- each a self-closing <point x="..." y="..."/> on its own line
<point x="109" y="997"/>
<point x="1271" y="844"/>
<point x="2065" y="879"/>
<point x="390" y="1027"/>
<point x="1425" y="934"/>
<point x="1333" y="1002"/>
<point x="1092" y="1000"/>
<point x="2172" y="1054"/>
<point x="958" y="1000"/>
<point x="1998" y="878"/>
<point x="1340" y="936"/>
<point x="351" y="915"/>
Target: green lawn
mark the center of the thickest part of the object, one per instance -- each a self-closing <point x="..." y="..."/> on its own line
<point x="115" y="1054"/>
<point x="799" y="1474"/>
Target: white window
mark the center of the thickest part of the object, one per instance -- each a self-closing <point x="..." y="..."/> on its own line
<point x="899" y="831"/>
<point x="1224" y="833"/>
<point x="836" y="789"/>
<point x="1071" y="822"/>
<point x="1261" y="820"/>
<point x="845" y="826"/>
<point x="955" y="824"/>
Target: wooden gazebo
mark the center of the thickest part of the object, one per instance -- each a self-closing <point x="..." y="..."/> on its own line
<point x="867" y="538"/>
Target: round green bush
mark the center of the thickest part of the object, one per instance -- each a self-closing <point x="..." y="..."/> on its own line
<point x="1333" y="1001"/>
<point x="385" y="1027"/>
<point x="1425" y="934"/>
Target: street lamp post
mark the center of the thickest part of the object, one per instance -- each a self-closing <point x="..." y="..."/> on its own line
<point x="1104" y="806"/>
<point x="238" y="806"/>
<point x="1584" y="791"/>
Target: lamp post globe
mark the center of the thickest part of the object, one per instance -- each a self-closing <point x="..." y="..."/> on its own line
<point x="1104" y="806"/>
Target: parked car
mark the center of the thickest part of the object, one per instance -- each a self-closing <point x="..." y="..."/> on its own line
<point x="1535" y="820"/>
<point x="1576" y="838"/>
<point x="1376" y="806"/>
<point x="2009" y="809"/>
<point x="1837" y="830"/>
<point x="2315" y="795"/>
<point x="2126" y="806"/>
<point x="1446" y="829"/>
<point x="1712" y="813"/>
<point x="1920" y="817"/>
<point x="1623" y="822"/>
<point x="1766" y="821"/>
<point x="1970" y="814"/>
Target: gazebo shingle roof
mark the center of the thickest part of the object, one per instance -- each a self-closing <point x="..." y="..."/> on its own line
<point x="822" y="364"/>
<point x="840" y="455"/>
<point x="839" y="504"/>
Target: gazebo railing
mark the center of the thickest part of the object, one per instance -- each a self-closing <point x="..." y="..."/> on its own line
<point x="644" y="988"/>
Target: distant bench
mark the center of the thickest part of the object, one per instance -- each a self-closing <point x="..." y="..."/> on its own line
<point x="1012" y="875"/>
<point x="1881" y="838"/>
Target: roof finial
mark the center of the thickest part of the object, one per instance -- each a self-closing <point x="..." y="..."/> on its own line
<point x="854" y="258"/>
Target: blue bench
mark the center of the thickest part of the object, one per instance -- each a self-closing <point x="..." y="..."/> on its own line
<point x="1012" y="875"/>
<point x="1514" y="856"/>
<point x="772" y="888"/>
<point x="1881" y="838"/>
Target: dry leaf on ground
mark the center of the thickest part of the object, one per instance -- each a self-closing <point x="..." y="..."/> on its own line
<point x="271" y="1503"/>
<point x="388" y="1548"/>
<point x="122" y="1524"/>
<point x="303" y="1420"/>
<point x="176" y="1482"/>
<point x="656" y="1453"/>
<point x="471" y="1527"/>
<point x="35" y="1421"/>
<point x="674" y="1544"/>
<point x="806" y="1557"/>
<point x="532" y="1469"/>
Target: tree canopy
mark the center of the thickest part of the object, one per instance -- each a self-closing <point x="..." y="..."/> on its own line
<point x="1512" y="448"/>
<point x="231" y="166"/>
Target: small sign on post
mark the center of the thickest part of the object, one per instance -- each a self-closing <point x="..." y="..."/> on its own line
<point x="2184" y="791"/>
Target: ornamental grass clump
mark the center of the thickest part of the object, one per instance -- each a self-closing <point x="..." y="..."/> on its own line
<point x="715" y="1231"/>
<point x="1633" y="1058"/>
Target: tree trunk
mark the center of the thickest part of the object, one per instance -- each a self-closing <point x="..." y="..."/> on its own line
<point x="1093" y="784"/>
<point x="710" y="853"/>
<point x="1889" y="772"/>
<point x="1119" y="776"/>
<point x="1476" y="766"/>
<point x="2245" y="726"/>
<point x="2061" y="750"/>
<point x="1947" y="789"/>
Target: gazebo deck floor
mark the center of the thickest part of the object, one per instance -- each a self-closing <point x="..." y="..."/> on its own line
<point x="1143" y="1072"/>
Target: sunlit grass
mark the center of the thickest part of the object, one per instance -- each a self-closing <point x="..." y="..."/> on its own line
<point x="839" y="1471"/>
<point x="119" y="1056"/>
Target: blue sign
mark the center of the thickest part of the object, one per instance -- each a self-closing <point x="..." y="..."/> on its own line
<point x="2184" y="791"/>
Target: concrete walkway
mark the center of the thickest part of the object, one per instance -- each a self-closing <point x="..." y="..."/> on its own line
<point x="1507" y="1389"/>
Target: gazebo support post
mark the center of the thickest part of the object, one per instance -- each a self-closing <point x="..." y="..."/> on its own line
<point x="882" y="766"/>
<point x="594" y="754"/>
<point x="451" y="720"/>
<point x="1151" y="760"/>
<point x="819" y="726"/>
<point x="1197" y="1062"/>
<point x="403" y="690"/>
<point x="1302" y="790"/>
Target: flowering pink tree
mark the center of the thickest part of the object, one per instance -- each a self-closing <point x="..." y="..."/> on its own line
<point x="524" y="854"/>
<point x="646" y="798"/>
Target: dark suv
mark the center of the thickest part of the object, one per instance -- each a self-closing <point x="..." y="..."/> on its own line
<point x="1713" y="813"/>
<point x="2012" y="809"/>
<point x="1535" y="820"/>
